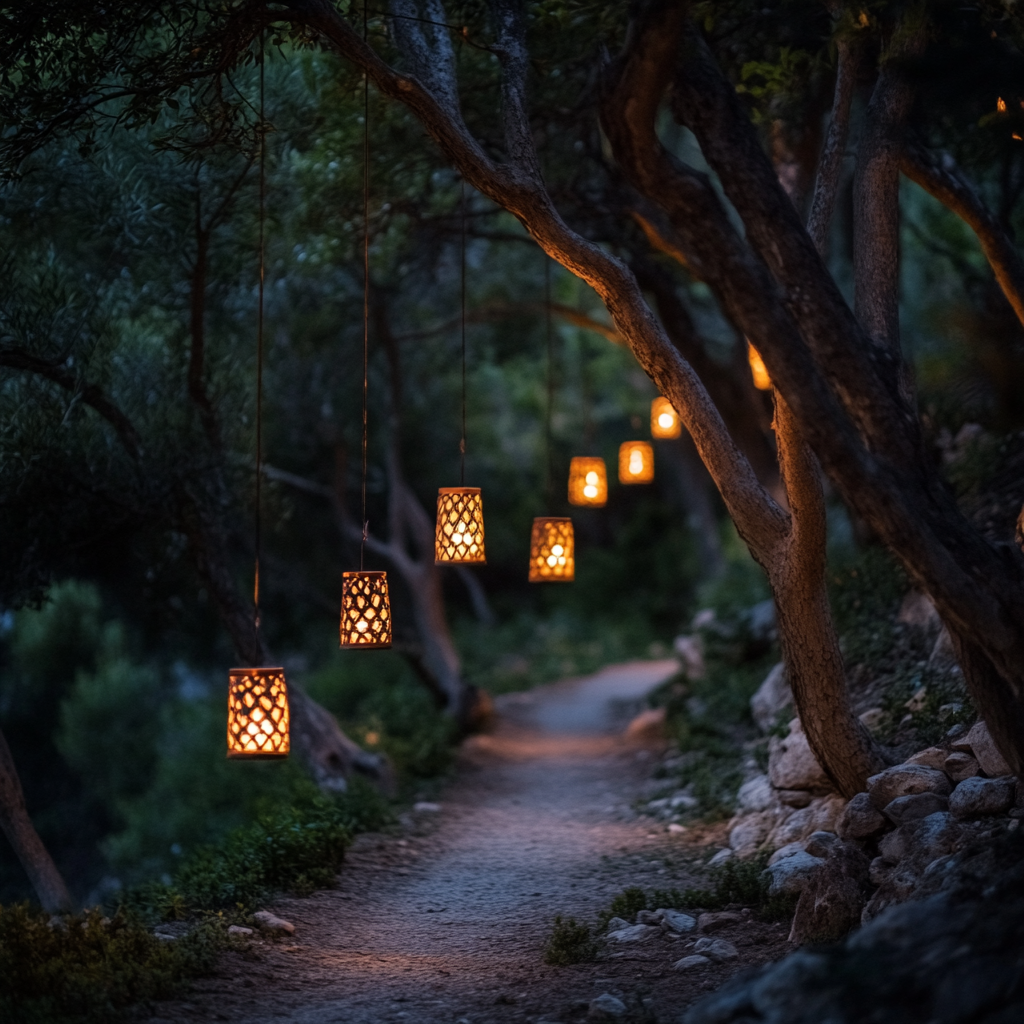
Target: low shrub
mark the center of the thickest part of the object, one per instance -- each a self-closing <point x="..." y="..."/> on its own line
<point x="88" y="968"/>
<point x="569" y="943"/>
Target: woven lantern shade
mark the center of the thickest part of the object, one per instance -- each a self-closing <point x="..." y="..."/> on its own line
<point x="757" y="369"/>
<point x="636" y="462"/>
<point x="552" y="550"/>
<point x="664" y="422"/>
<point x="365" y="610"/>
<point x="257" y="714"/>
<point x="588" y="482"/>
<point x="459" y="536"/>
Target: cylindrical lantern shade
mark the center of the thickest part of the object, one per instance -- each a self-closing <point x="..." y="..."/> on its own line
<point x="459" y="537"/>
<point x="636" y="462"/>
<point x="365" y="610"/>
<point x="588" y="481"/>
<point x="257" y="713"/>
<point x="757" y="369"/>
<point x="664" y="421"/>
<point x="552" y="550"/>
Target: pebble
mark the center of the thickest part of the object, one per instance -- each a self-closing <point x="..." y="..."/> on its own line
<point x="720" y="858"/>
<point x="676" y="921"/>
<point x="914" y="807"/>
<point x="906" y="780"/>
<point x="977" y="797"/>
<point x="716" y="949"/>
<point x="819" y="843"/>
<point x="634" y="933"/>
<point x="238" y="932"/>
<point x="792" y="765"/>
<point x="617" y="924"/>
<point x="755" y="794"/>
<point x="791" y="874"/>
<point x="933" y="757"/>
<point x="269" y="922"/>
<point x="718" y="920"/>
<point x="675" y="829"/>
<point x="960" y="765"/>
<point x="860" y="819"/>
<point x="983" y="747"/>
<point x="426" y="807"/>
<point x="689" y="962"/>
<point x="606" y="1007"/>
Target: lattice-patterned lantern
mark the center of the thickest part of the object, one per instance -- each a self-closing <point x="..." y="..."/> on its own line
<point x="757" y="369"/>
<point x="588" y="481"/>
<point x="664" y="421"/>
<point x="636" y="462"/>
<point x="257" y="713"/>
<point x="552" y="550"/>
<point x="459" y="537"/>
<point x="365" y="610"/>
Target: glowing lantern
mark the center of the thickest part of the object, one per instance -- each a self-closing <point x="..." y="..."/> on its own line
<point x="1001" y="105"/>
<point x="257" y="714"/>
<point x="588" y="481"/>
<point x="459" y="536"/>
<point x="636" y="462"/>
<point x="552" y="550"/>
<point x="365" y="610"/>
<point x="664" y="421"/>
<point x="757" y="369"/>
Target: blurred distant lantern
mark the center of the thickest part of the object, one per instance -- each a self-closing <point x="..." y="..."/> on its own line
<point x="664" y="421"/>
<point x="757" y="369"/>
<point x="588" y="481"/>
<point x="552" y="550"/>
<point x="365" y="610"/>
<point x="636" y="462"/>
<point x="257" y="714"/>
<point x="459" y="536"/>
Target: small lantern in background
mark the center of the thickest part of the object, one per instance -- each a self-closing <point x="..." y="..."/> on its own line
<point x="459" y="536"/>
<point x="588" y="481"/>
<point x="552" y="550"/>
<point x="757" y="369"/>
<point x="365" y="610"/>
<point x="636" y="462"/>
<point x="665" y="423"/>
<point x="257" y="714"/>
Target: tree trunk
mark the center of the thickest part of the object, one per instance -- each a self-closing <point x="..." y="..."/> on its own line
<point x="810" y="647"/>
<point x="28" y="847"/>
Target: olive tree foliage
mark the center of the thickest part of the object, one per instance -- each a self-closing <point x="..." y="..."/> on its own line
<point x="697" y="128"/>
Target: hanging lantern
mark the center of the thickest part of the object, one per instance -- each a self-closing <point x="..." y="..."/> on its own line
<point x="552" y="550"/>
<point x="636" y="462"/>
<point x="257" y="714"/>
<point x="588" y="481"/>
<point x="757" y="369"/>
<point x="459" y="536"/>
<point x="365" y="610"/>
<point x="664" y="422"/>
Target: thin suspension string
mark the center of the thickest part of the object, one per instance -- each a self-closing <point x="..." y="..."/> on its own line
<point x="462" y="443"/>
<point x="366" y="277"/>
<point x="259" y="342"/>
<point x="548" y="473"/>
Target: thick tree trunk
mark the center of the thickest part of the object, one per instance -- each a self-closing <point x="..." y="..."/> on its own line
<point x="28" y="847"/>
<point x="810" y="646"/>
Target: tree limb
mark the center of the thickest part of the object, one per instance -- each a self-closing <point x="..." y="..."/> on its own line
<point x="942" y="178"/>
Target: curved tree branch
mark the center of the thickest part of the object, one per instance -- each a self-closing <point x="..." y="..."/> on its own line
<point x="942" y="178"/>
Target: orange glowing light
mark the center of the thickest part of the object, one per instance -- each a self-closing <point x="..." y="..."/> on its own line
<point x="757" y="369"/>
<point x="552" y="550"/>
<point x="636" y="462"/>
<point x="664" y="421"/>
<point x="588" y="481"/>
<point x="257" y="714"/>
<point x="1000" y="104"/>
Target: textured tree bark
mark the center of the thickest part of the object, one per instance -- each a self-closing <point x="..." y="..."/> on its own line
<point x="28" y="847"/>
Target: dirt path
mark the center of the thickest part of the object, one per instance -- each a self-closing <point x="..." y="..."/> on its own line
<point x="446" y="920"/>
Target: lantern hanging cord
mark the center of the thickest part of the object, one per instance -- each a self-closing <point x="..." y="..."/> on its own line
<point x="548" y="475"/>
<point x="462" y="302"/>
<point x="366" y="280"/>
<point x="259" y="343"/>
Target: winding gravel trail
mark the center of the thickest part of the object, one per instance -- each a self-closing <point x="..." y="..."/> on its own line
<point x="445" y="921"/>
